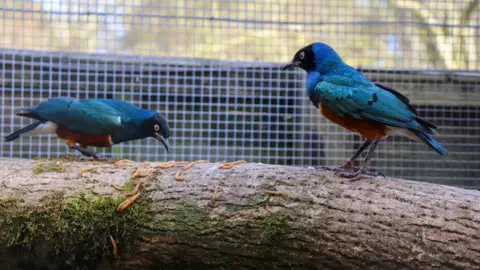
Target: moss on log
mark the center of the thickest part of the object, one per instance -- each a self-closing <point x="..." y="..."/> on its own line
<point x="254" y="216"/>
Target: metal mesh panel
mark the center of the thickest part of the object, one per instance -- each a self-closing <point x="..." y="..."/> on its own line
<point x="212" y="68"/>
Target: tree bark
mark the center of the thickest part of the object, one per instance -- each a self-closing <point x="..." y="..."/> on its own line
<point x="257" y="216"/>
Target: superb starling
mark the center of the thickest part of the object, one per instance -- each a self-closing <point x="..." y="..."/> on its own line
<point x="93" y="122"/>
<point x="346" y="97"/>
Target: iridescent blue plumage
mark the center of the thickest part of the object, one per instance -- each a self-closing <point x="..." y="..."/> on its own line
<point x="97" y="122"/>
<point x="350" y="99"/>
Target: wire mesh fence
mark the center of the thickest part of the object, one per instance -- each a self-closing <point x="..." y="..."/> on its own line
<point x="212" y="68"/>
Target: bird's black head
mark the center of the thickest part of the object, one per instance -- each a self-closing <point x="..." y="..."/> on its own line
<point x="157" y="127"/>
<point x="304" y="59"/>
<point x="315" y="57"/>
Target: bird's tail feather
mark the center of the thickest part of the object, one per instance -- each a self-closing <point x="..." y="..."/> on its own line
<point x="16" y="134"/>
<point x="428" y="126"/>
<point x="430" y="141"/>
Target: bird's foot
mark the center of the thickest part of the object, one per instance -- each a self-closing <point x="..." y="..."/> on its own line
<point x="351" y="175"/>
<point x="85" y="152"/>
<point x="345" y="167"/>
<point x="348" y="165"/>
<point x="73" y="158"/>
<point x="96" y="157"/>
<point x="85" y="158"/>
<point x="109" y="159"/>
<point x="356" y="175"/>
<point x="374" y="173"/>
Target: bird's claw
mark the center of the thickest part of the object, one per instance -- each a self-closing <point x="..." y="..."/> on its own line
<point x="93" y="156"/>
<point x="342" y="168"/>
<point x="356" y="175"/>
<point x="111" y="159"/>
<point x="373" y="173"/>
<point x="351" y="175"/>
<point x="104" y="159"/>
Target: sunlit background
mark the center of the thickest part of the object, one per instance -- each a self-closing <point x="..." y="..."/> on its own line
<point x="212" y="67"/>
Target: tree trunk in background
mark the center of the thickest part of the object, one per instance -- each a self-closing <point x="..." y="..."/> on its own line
<point x="310" y="219"/>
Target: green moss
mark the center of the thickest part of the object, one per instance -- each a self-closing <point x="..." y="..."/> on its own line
<point x="129" y="185"/>
<point x="48" y="167"/>
<point x="75" y="229"/>
<point x="274" y="227"/>
<point x="260" y="202"/>
<point x="188" y="221"/>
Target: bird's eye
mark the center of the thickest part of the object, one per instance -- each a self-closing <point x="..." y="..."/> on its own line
<point x="301" y="55"/>
<point x="156" y="127"/>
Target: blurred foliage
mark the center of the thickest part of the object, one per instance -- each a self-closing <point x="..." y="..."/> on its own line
<point x="449" y="41"/>
<point x="367" y="33"/>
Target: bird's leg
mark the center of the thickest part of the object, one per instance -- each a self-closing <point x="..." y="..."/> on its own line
<point x="97" y="157"/>
<point x="84" y="151"/>
<point x="363" y="168"/>
<point x="349" y="162"/>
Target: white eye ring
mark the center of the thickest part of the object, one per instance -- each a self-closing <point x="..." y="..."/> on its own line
<point x="156" y="127"/>
<point x="301" y="55"/>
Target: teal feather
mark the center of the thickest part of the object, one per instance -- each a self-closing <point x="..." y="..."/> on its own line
<point x="348" y="93"/>
<point x="93" y="116"/>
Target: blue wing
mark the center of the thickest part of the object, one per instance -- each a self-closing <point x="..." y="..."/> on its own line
<point x="90" y="116"/>
<point x="127" y="111"/>
<point x="364" y="100"/>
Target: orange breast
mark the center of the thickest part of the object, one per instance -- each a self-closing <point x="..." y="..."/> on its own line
<point x="83" y="139"/>
<point x="369" y="130"/>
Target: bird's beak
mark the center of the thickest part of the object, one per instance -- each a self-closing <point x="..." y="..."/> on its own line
<point x="291" y="64"/>
<point x="161" y="139"/>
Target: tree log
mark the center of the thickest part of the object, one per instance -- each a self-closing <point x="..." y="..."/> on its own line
<point x="252" y="216"/>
